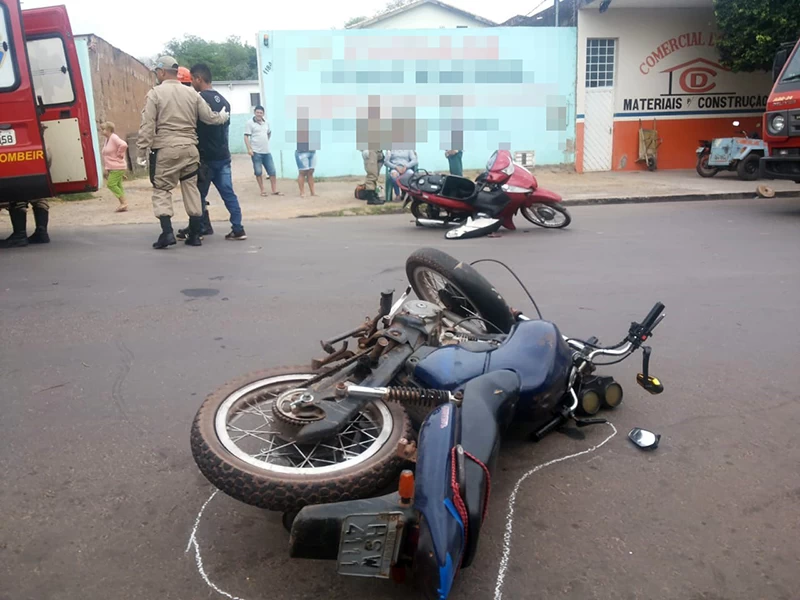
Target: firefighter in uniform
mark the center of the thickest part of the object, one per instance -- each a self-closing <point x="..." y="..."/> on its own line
<point x="18" y="212"/>
<point x="169" y="133"/>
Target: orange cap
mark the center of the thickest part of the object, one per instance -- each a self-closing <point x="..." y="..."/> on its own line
<point x="184" y="76"/>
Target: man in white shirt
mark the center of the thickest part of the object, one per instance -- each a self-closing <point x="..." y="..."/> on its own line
<point x="256" y="137"/>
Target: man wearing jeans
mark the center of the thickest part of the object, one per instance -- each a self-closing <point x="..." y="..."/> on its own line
<point x="215" y="157"/>
<point x="256" y="138"/>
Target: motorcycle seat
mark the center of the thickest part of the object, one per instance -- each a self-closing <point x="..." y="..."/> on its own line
<point x="487" y="409"/>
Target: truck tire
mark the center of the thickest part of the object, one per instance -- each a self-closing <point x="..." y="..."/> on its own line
<point x="747" y="169"/>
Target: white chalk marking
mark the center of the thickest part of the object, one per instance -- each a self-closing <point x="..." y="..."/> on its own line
<point x="501" y="572"/>
<point x="198" y="558"/>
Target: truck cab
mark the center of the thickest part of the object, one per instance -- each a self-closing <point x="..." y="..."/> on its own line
<point x="782" y="120"/>
<point x="46" y="143"/>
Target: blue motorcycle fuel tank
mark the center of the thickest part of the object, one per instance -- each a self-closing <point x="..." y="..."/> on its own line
<point x="534" y="350"/>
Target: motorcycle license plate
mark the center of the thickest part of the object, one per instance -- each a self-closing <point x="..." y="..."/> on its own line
<point x="369" y="544"/>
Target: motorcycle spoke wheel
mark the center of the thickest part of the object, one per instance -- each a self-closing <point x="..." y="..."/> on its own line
<point x="549" y="216"/>
<point x="247" y="427"/>
<point x="434" y="287"/>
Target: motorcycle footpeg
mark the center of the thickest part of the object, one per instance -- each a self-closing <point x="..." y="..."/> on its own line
<point x="587" y="422"/>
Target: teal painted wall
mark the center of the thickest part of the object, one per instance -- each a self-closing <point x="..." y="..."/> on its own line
<point x="510" y="88"/>
<point x="236" y="134"/>
<point x="82" y="49"/>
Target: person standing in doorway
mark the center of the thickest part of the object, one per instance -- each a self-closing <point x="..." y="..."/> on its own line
<point x="168" y="132"/>
<point x="305" y="157"/>
<point x="256" y="137"/>
<point x="114" y="164"/>
<point x="215" y="158"/>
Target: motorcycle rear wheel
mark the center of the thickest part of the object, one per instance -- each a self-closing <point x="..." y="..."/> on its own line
<point x="251" y="463"/>
<point x="439" y="278"/>
<point x="557" y="217"/>
<point x="702" y="166"/>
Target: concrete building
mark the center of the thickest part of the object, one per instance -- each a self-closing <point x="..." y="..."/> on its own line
<point x="656" y="61"/>
<point x="425" y="14"/>
<point x="476" y="90"/>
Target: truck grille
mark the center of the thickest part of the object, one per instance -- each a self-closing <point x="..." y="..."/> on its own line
<point x="794" y="122"/>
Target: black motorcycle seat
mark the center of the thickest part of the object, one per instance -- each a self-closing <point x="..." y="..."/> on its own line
<point x="487" y="409"/>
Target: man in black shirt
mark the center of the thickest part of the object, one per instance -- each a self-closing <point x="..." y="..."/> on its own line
<point x="215" y="157"/>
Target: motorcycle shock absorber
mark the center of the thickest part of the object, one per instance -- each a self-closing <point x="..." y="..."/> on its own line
<point x="424" y="398"/>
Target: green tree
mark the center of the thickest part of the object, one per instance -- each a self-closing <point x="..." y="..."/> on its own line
<point x="753" y="30"/>
<point x="354" y="21"/>
<point x="228" y="60"/>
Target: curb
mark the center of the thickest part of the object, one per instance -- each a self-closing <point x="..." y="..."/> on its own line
<point x="676" y="198"/>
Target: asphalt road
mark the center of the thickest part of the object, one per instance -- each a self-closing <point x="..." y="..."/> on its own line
<point x="107" y="348"/>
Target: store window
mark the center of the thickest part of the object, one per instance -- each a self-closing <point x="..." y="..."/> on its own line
<point x="600" y="63"/>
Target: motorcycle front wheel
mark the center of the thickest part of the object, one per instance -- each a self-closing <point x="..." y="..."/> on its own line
<point x="457" y="287"/>
<point x="236" y="442"/>
<point x="547" y="214"/>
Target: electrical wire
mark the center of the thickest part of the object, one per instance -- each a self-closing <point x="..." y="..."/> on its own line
<point x="538" y="312"/>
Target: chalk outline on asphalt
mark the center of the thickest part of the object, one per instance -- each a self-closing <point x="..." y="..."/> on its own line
<point x="504" y="560"/>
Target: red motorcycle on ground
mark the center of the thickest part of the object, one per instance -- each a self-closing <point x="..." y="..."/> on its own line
<point x="475" y="208"/>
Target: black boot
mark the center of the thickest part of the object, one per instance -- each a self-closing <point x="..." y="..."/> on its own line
<point x="19" y="238"/>
<point x="167" y="237"/>
<point x="41" y="216"/>
<point x="195" y="226"/>
<point x="207" y="228"/>
<point x="373" y="199"/>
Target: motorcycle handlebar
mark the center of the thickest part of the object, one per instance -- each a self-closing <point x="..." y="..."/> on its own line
<point x="652" y="318"/>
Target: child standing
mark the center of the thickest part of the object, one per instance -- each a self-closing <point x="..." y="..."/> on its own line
<point x="114" y="164"/>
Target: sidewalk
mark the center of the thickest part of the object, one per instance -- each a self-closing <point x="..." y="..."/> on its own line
<point x="336" y="195"/>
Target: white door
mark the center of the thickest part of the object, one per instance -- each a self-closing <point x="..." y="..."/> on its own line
<point x="598" y="128"/>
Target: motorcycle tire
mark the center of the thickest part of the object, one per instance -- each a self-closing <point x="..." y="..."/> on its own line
<point x="267" y="488"/>
<point x="486" y="301"/>
<point x="747" y="169"/>
<point x="702" y="166"/>
<point x="533" y="217"/>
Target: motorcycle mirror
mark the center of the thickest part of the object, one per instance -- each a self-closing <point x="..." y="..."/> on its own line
<point x="473" y="228"/>
<point x="646" y="440"/>
<point x="736" y="123"/>
<point x="650" y="383"/>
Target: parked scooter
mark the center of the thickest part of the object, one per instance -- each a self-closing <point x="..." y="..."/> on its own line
<point x="419" y="407"/>
<point x="475" y="208"/>
<point x="740" y="154"/>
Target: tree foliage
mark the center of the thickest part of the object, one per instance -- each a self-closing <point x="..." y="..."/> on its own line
<point x="230" y="60"/>
<point x="354" y="21"/>
<point x="753" y="30"/>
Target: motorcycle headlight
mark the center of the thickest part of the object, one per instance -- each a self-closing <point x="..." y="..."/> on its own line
<point x="778" y="123"/>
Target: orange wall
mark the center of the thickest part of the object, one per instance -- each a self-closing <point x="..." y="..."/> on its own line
<point x="680" y="140"/>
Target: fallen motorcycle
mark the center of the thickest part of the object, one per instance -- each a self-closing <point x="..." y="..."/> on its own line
<point x="381" y="457"/>
<point x="475" y="208"/>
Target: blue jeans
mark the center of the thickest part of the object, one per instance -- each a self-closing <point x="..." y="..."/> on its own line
<point x="265" y="161"/>
<point x="218" y="172"/>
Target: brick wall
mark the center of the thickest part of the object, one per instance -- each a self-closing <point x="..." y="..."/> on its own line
<point x="119" y="85"/>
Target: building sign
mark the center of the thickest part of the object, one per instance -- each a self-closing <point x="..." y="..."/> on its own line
<point x="694" y="85"/>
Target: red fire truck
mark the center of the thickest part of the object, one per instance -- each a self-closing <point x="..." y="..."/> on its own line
<point x="782" y="119"/>
<point x="46" y="144"/>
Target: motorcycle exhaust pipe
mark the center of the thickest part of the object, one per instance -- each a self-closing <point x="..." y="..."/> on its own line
<point x="436" y="223"/>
